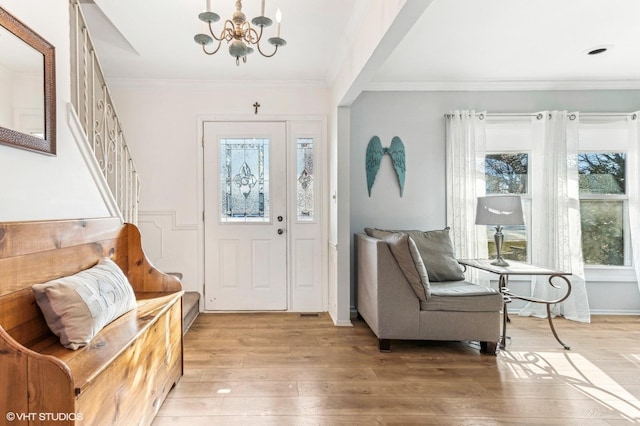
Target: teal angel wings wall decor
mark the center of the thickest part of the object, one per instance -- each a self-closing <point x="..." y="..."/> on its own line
<point x="375" y="151"/>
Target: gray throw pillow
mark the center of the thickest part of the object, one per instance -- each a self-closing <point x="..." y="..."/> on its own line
<point x="378" y="233"/>
<point x="436" y="249"/>
<point x="77" y="307"/>
<point x="438" y="254"/>
<point x="406" y="253"/>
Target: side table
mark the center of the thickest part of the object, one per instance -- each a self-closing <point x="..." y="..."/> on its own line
<point x="518" y="268"/>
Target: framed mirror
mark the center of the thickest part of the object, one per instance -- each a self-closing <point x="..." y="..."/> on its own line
<point x="27" y="87"/>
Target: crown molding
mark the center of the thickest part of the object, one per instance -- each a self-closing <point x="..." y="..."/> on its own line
<point x="138" y="83"/>
<point x="442" y="86"/>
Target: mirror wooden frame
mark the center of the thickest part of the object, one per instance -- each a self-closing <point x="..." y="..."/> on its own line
<point x="23" y="140"/>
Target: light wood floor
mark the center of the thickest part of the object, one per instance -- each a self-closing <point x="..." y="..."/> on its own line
<point x="284" y="369"/>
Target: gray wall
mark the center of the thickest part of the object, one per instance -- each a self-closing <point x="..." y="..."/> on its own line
<point x="417" y="118"/>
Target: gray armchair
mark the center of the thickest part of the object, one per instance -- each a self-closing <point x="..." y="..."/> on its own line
<point x="453" y="311"/>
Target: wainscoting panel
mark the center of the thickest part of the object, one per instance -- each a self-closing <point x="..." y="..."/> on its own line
<point x="171" y="246"/>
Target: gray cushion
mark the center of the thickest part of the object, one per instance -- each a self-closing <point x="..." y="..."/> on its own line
<point x="406" y="253"/>
<point x="77" y="307"/>
<point x="438" y="254"/>
<point x="378" y="233"/>
<point x="436" y="249"/>
<point x="462" y="296"/>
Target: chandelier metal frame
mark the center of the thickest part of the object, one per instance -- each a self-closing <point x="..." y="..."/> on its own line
<point x="238" y="33"/>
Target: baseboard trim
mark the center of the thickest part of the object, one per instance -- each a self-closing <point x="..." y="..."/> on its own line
<point x="595" y="312"/>
<point x="607" y="312"/>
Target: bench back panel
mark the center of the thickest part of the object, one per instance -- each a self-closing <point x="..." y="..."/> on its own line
<point x="36" y="252"/>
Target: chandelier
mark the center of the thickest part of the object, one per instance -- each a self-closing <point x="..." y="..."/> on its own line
<point x="238" y="32"/>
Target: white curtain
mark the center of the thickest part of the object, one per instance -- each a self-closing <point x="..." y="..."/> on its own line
<point x="465" y="152"/>
<point x="555" y="223"/>
<point x="633" y="162"/>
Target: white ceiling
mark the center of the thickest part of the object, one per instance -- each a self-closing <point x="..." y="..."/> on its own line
<point x="455" y="44"/>
<point x="139" y="39"/>
<point x="537" y="43"/>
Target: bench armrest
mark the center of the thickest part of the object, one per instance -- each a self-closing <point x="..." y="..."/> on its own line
<point x="144" y="277"/>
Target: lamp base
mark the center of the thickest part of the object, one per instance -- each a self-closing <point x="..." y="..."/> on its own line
<point x="500" y="262"/>
<point x="499" y="239"/>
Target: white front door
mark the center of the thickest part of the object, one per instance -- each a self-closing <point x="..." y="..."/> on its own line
<point x="245" y="216"/>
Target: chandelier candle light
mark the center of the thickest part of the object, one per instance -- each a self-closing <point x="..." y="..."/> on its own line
<point x="499" y="210"/>
<point x="238" y="32"/>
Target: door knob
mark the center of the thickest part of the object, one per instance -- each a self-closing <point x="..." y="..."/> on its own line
<point x="280" y="231"/>
<point x="280" y="218"/>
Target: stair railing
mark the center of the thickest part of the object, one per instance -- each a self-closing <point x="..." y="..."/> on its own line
<point x="96" y="112"/>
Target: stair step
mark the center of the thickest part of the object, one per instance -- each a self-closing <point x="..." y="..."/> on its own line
<point x="190" y="309"/>
<point x="190" y="305"/>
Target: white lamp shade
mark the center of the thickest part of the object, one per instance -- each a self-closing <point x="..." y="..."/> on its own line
<point x="499" y="210"/>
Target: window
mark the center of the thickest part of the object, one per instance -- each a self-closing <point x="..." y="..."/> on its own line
<point x="244" y="180"/>
<point x="305" y="177"/>
<point x="603" y="208"/>
<point x="605" y="172"/>
<point x="508" y="173"/>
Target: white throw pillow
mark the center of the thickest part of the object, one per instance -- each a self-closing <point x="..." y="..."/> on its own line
<point x="77" y="307"/>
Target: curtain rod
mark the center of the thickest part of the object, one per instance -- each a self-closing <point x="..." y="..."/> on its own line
<point x="582" y="114"/>
<point x="538" y="115"/>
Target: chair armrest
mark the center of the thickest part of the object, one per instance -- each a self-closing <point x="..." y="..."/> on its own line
<point x="384" y="297"/>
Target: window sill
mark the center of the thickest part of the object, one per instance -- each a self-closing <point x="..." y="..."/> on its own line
<point x="619" y="274"/>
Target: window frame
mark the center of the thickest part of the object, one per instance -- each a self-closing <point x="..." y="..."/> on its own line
<point x="591" y="131"/>
<point x="626" y="231"/>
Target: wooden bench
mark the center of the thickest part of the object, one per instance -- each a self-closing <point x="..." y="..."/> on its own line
<point x="125" y="373"/>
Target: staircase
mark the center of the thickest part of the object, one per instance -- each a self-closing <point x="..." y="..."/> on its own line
<point x="190" y="309"/>
<point x="190" y="305"/>
<point x="96" y="114"/>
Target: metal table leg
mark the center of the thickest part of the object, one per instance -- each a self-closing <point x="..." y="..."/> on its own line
<point x="553" y="329"/>
<point x="503" y="280"/>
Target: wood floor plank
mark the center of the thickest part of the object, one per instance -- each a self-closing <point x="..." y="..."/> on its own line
<point x="285" y="369"/>
<point x="291" y="373"/>
<point x="484" y="421"/>
<point x="529" y="408"/>
<point x="389" y="388"/>
<point x="322" y="361"/>
<point x="188" y="407"/>
<point x="333" y="406"/>
<point x="273" y="388"/>
<point x="358" y="420"/>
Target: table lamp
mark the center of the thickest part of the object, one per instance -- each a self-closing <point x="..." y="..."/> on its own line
<point x="499" y="210"/>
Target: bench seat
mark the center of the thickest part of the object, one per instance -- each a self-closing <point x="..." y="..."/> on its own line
<point x="87" y="363"/>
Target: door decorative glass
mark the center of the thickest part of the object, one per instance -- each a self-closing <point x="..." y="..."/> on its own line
<point x="306" y="184"/>
<point x="244" y="180"/>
